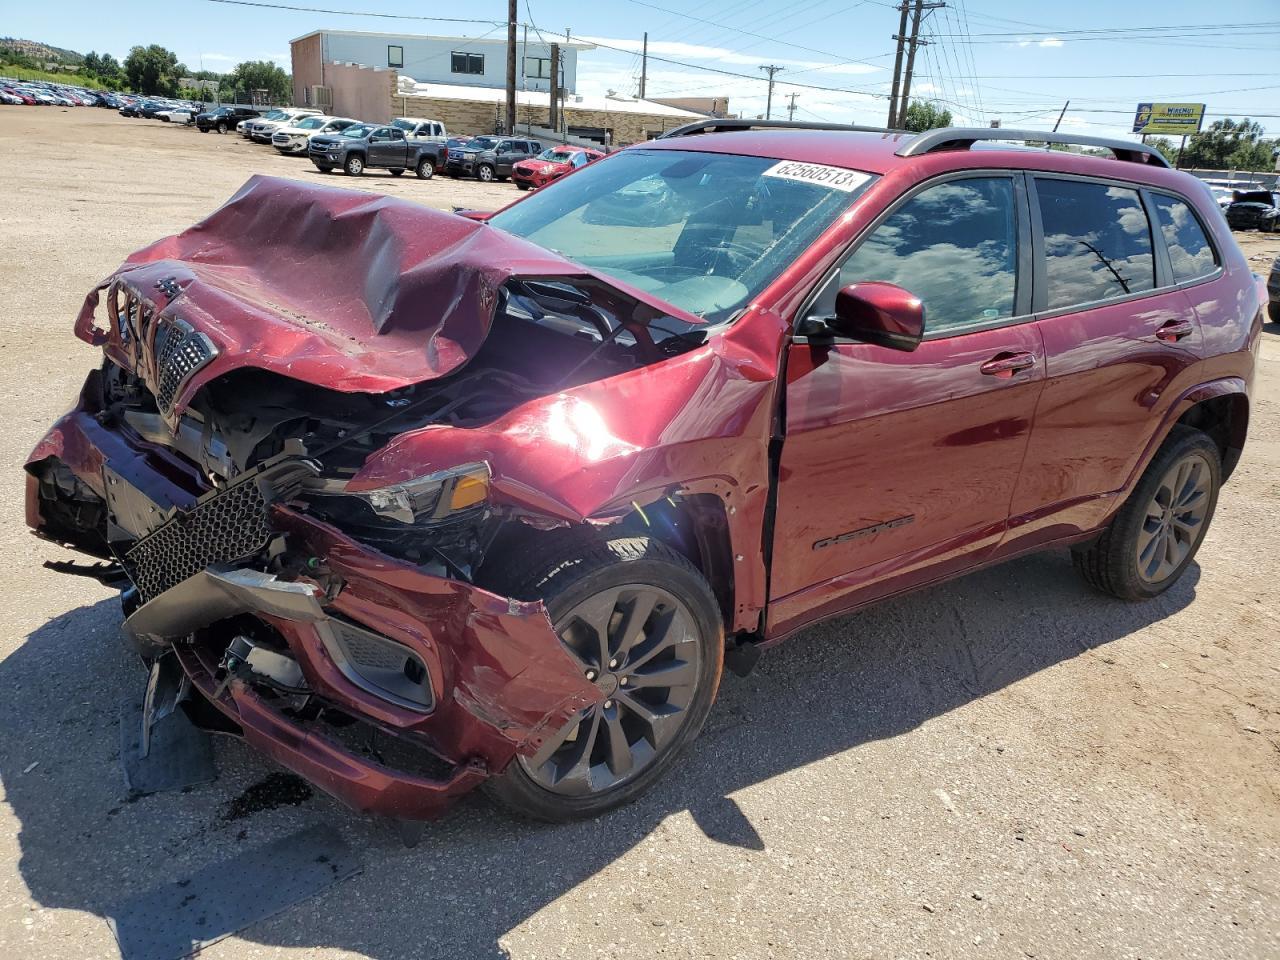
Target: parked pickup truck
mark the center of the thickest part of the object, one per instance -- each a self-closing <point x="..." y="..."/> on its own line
<point x="419" y="129"/>
<point x="367" y="145"/>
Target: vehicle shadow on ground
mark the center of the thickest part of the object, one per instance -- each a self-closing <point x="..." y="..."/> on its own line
<point x="479" y="874"/>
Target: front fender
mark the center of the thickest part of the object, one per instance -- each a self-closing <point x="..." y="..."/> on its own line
<point x="698" y="424"/>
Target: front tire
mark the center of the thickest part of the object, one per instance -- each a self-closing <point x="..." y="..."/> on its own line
<point x="354" y="166"/>
<point x="1154" y="537"/>
<point x="642" y="624"/>
<point x="485" y="173"/>
<point x="221" y="128"/>
<point x="1273" y="311"/>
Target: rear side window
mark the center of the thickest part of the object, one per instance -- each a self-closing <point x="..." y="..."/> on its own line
<point x="1097" y="242"/>
<point x="1190" y="252"/>
<point x="954" y="246"/>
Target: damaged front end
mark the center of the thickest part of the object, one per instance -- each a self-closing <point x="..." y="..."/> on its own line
<point x="222" y="463"/>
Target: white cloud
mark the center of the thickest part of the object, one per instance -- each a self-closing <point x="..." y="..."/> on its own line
<point x="1046" y="42"/>
<point x="217" y="56"/>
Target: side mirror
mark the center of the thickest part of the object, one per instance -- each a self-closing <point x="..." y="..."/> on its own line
<point x="879" y="313"/>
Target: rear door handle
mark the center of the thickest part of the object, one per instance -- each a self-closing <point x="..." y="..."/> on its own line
<point x="1175" y="330"/>
<point x="1005" y="365"/>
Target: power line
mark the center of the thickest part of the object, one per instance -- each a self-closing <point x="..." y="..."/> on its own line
<point x="748" y="33"/>
<point x="354" y="13"/>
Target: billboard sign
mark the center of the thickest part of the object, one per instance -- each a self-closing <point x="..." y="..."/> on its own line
<point x="1177" y="119"/>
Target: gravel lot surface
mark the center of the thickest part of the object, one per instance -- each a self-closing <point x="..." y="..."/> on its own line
<point x="1006" y="766"/>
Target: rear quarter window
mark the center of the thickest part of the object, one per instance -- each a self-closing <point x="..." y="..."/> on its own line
<point x="1097" y="242"/>
<point x="1190" y="253"/>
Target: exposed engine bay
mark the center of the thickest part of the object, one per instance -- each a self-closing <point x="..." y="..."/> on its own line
<point x="547" y="335"/>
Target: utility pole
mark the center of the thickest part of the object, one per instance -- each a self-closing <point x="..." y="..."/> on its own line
<point x="901" y="37"/>
<point x="771" y="69"/>
<point x="511" y="67"/>
<point x="644" y="63"/>
<point x="791" y="108"/>
<point x="918" y="13"/>
<point x="1061" y="115"/>
<point x="553" y="114"/>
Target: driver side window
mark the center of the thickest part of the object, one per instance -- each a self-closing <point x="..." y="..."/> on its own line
<point x="954" y="246"/>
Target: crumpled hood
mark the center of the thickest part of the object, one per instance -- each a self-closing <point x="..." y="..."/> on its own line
<point x="340" y="288"/>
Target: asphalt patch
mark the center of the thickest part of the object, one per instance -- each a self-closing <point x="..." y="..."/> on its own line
<point x="175" y="920"/>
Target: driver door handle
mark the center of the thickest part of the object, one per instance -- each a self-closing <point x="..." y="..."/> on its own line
<point x="1005" y="365"/>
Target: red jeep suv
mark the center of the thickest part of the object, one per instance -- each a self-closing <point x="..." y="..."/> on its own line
<point x="413" y="500"/>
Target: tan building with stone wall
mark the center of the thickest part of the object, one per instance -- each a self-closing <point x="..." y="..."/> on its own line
<point x="378" y="94"/>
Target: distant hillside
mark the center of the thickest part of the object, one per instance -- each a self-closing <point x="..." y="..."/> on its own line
<point x="41" y="52"/>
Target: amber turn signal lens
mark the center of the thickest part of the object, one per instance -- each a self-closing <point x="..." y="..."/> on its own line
<point x="469" y="490"/>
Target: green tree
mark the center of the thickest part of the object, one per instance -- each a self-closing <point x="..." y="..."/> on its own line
<point x="152" y="70"/>
<point x="103" y="66"/>
<point x="1166" y="147"/>
<point x="922" y="116"/>
<point x="261" y="75"/>
<point x="1229" y="144"/>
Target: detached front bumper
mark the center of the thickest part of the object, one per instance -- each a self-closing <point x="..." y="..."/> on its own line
<point x="499" y="680"/>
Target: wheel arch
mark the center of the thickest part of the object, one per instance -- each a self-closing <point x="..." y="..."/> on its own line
<point x="1225" y="418"/>
<point x="1219" y="407"/>
<point x="695" y="525"/>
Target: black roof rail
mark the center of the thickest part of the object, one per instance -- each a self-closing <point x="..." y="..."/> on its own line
<point x="725" y="124"/>
<point x="962" y="138"/>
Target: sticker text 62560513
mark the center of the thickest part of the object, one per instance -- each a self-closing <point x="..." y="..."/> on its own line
<point x="835" y="178"/>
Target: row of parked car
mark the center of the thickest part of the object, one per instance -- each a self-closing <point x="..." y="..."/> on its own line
<point x="37" y="93"/>
<point x="405" y="143"/>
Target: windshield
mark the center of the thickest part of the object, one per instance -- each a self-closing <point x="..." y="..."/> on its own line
<point x="559" y="156"/>
<point x="311" y="123"/>
<point x="706" y="232"/>
<point x="481" y="143"/>
<point x="357" y="132"/>
<point x="274" y="115"/>
<point x="403" y="124"/>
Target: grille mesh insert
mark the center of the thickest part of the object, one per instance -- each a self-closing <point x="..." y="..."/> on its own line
<point x="227" y="527"/>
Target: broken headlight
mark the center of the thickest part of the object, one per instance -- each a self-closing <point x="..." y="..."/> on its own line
<point x="434" y="516"/>
<point x="434" y="496"/>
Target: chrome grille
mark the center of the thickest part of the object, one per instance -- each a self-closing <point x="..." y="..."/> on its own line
<point x="179" y="352"/>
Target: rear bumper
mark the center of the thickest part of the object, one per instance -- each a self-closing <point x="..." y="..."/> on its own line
<point x="499" y="678"/>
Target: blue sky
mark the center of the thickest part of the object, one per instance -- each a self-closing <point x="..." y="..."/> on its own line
<point x="989" y="58"/>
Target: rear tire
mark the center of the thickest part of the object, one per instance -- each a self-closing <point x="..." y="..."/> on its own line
<point x="1154" y="537"/>
<point x="426" y="169"/>
<point x="1273" y="311"/>
<point x="324" y="168"/>
<point x="659" y="674"/>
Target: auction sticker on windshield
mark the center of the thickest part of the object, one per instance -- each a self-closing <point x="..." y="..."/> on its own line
<point x="837" y="178"/>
